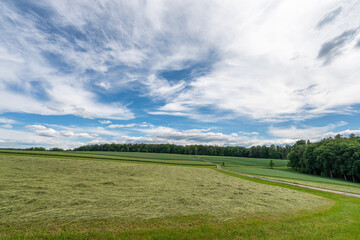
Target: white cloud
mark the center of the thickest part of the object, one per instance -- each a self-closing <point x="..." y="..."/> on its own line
<point x="7" y="120"/>
<point x="105" y="122"/>
<point x="141" y="40"/>
<point x="145" y="124"/>
<point x="92" y="130"/>
<point x="100" y="131"/>
<point x="262" y="63"/>
<point x="67" y="137"/>
<point x="308" y="133"/>
<point x="122" y="125"/>
<point x="77" y="135"/>
<point x="43" y="131"/>
<point x="36" y="127"/>
<point x="24" y="139"/>
<point x="131" y="125"/>
<point x="281" y="136"/>
<point x="248" y="133"/>
<point x="6" y="126"/>
<point x="50" y="132"/>
<point x="254" y="76"/>
<point x="43" y="88"/>
<point x="161" y="88"/>
<point x="161" y="134"/>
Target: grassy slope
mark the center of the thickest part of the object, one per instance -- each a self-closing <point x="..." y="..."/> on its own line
<point x="52" y="193"/>
<point x="339" y="222"/>
<point x="63" y="189"/>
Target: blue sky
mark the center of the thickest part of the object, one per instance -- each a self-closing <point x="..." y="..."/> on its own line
<point x="184" y="72"/>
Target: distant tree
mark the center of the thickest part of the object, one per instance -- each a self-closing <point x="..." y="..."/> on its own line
<point x="296" y="155"/>
<point x="36" y="149"/>
<point x="56" y="149"/>
<point x="271" y="164"/>
<point x="337" y="157"/>
<point x="273" y="152"/>
<point x="309" y="160"/>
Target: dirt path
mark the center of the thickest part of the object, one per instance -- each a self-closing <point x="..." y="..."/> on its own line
<point x="292" y="184"/>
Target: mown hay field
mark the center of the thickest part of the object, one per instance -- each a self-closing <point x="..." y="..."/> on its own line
<point x="50" y="189"/>
<point x="145" y="155"/>
<point x="133" y="157"/>
<point x="60" y="197"/>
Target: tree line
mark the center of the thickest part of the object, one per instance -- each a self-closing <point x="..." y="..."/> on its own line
<point x="275" y="152"/>
<point x="337" y="157"/>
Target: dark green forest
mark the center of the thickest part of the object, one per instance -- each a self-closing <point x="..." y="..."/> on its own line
<point x="275" y="152"/>
<point x="337" y="157"/>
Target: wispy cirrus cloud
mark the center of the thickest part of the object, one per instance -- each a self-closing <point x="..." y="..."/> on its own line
<point x="260" y="62"/>
<point x="47" y="81"/>
<point x="90" y="48"/>
<point x="255" y="78"/>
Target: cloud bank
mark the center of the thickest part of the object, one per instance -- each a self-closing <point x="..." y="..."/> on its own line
<point x="59" y="58"/>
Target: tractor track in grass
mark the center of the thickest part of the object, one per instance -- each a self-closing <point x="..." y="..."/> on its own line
<point x="289" y="183"/>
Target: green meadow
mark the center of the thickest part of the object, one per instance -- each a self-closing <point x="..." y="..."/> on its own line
<point x="287" y="173"/>
<point x="61" y="195"/>
<point x="260" y="167"/>
<point x="242" y="161"/>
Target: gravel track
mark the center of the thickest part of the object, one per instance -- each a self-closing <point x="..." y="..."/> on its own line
<point x="292" y="184"/>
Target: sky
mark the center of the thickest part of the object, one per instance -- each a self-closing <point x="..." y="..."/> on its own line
<point x="221" y="72"/>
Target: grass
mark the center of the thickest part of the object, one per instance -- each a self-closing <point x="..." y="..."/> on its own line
<point x="337" y="187"/>
<point x="242" y="161"/>
<point x="288" y="173"/>
<point x="55" y="193"/>
<point x="143" y="155"/>
<point x="104" y="156"/>
<point x="62" y="198"/>
<point x="66" y="189"/>
<point x="260" y="167"/>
